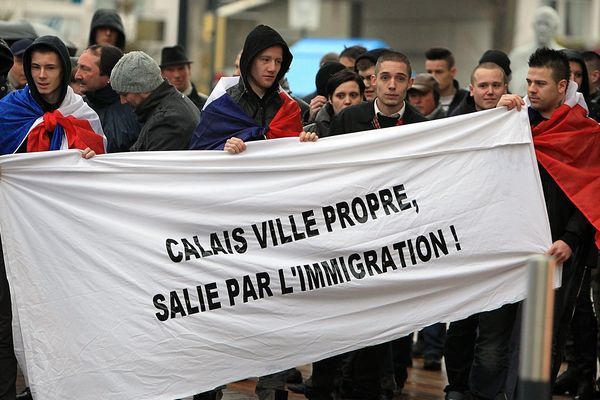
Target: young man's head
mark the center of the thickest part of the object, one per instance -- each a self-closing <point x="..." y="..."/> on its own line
<point x="16" y="75"/>
<point x="488" y="84"/>
<point x="349" y="55"/>
<point x="365" y="67"/>
<point x="440" y="63"/>
<point x="175" y="67"/>
<point x="392" y="80"/>
<point x="107" y="28"/>
<point x="47" y="67"/>
<point x="424" y="94"/>
<point x="135" y="76"/>
<point x="95" y="65"/>
<point x="547" y="80"/>
<point x="592" y="62"/>
<point x="265" y="60"/>
<point x="344" y="89"/>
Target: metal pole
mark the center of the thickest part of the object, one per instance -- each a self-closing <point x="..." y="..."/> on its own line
<point x="182" y="28"/>
<point x="536" y="332"/>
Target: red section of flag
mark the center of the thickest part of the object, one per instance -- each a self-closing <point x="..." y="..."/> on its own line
<point x="79" y="133"/>
<point x="568" y="147"/>
<point x="288" y="120"/>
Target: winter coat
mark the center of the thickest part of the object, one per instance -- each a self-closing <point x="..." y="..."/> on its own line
<point x="119" y="121"/>
<point x="168" y="119"/>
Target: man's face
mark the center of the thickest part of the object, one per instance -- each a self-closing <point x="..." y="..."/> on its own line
<point x="106" y="35"/>
<point x="544" y="93"/>
<point x="366" y="75"/>
<point x="178" y="76"/>
<point x="440" y="71"/>
<point x="133" y="99"/>
<point x="345" y="95"/>
<point x="347" y="62"/>
<point x="88" y="73"/>
<point x="17" y="74"/>
<point x="424" y="102"/>
<point x="487" y="88"/>
<point x="46" y="70"/>
<point x="391" y="83"/>
<point x="576" y="73"/>
<point x="264" y="69"/>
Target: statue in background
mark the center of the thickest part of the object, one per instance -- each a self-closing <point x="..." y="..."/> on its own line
<point x="545" y="25"/>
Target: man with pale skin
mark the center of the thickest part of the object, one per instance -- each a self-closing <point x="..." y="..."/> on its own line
<point x="440" y="63"/>
<point x="251" y="104"/>
<point x="391" y="80"/>
<point x="16" y="75"/>
<point x="560" y="125"/>
<point x="93" y="75"/>
<point x="176" y="68"/>
<point x="107" y="28"/>
<point x="424" y="95"/>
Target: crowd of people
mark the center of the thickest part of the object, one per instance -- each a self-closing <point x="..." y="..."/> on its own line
<point x="106" y="101"/>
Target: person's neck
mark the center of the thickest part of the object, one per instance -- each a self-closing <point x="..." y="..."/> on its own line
<point x="260" y="92"/>
<point x="388" y="111"/>
<point x="450" y="90"/>
<point x="51" y="98"/>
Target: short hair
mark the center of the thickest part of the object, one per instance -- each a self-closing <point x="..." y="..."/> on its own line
<point x="353" y="52"/>
<point x="592" y="59"/>
<point x="329" y="57"/>
<point x="489" y="65"/>
<point x="363" y="63"/>
<point x="393" y="56"/>
<point x="344" y="76"/>
<point x="556" y="60"/>
<point x="440" y="53"/>
<point x="109" y="55"/>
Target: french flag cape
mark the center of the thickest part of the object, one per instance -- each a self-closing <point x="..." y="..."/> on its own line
<point x="74" y="125"/>
<point x="568" y="147"/>
<point x="222" y="119"/>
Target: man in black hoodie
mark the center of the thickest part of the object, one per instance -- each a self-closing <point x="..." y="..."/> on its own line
<point x="107" y="28"/>
<point x="93" y="74"/>
<point x="265" y="60"/>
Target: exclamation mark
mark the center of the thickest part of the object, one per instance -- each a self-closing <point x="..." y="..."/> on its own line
<point x="455" y="237"/>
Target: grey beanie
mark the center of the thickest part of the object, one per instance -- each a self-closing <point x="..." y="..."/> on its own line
<point x="135" y="72"/>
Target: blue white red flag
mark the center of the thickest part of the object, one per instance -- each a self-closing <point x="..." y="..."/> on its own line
<point x="74" y="125"/>
<point x="222" y="118"/>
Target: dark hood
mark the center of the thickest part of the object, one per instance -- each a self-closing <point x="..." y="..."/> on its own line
<point x="57" y="46"/>
<point x="573" y="55"/>
<point x="110" y="18"/>
<point x="6" y="58"/>
<point x="261" y="38"/>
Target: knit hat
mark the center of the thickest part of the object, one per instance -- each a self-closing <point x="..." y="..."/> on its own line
<point x="135" y="72"/>
<point x="497" y="57"/>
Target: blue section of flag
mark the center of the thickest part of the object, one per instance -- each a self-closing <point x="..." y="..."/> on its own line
<point x="18" y="112"/>
<point x="221" y="120"/>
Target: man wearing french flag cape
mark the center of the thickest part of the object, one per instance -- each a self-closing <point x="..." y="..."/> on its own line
<point x="253" y="106"/>
<point x="47" y="114"/>
<point x="44" y="115"/>
<point x="567" y="147"/>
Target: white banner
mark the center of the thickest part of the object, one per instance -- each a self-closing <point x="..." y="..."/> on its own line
<point x="159" y="275"/>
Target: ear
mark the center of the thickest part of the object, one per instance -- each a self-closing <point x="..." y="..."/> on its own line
<point x="373" y="79"/>
<point x="471" y="89"/>
<point x="562" y="86"/>
<point x="453" y="71"/>
<point x="410" y="83"/>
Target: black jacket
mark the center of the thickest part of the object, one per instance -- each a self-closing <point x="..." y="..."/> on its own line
<point x="360" y="118"/>
<point x="168" y="119"/>
<point x="111" y="19"/>
<point x="58" y="47"/>
<point x="466" y="106"/>
<point x="322" y="121"/>
<point x="196" y="98"/>
<point x="458" y="97"/>
<point x="119" y="121"/>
